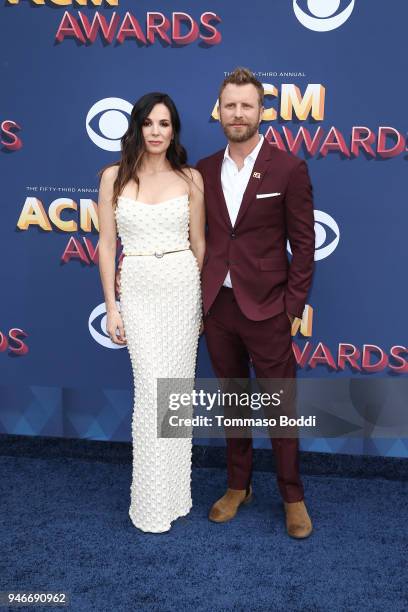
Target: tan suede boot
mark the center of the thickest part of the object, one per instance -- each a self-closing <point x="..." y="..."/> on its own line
<point x="227" y="506"/>
<point x="298" y="523"/>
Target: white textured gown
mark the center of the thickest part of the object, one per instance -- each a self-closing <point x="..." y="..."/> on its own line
<point x="160" y="302"/>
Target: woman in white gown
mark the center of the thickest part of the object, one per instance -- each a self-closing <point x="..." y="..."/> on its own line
<point x="154" y="201"/>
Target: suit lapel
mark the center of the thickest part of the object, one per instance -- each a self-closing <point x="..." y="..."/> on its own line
<point x="258" y="172"/>
<point x="219" y="191"/>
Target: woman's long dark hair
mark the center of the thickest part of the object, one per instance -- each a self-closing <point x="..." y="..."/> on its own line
<point x="133" y="145"/>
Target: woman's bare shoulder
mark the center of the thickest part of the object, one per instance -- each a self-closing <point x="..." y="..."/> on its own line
<point x="194" y="175"/>
<point x="109" y="175"/>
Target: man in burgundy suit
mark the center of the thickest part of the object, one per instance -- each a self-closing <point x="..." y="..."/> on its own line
<point x="257" y="197"/>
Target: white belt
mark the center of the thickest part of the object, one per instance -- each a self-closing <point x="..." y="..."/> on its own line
<point x="157" y="254"/>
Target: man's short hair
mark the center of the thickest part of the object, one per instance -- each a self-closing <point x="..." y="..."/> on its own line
<point x="243" y="76"/>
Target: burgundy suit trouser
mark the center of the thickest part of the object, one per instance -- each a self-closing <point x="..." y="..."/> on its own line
<point x="232" y="340"/>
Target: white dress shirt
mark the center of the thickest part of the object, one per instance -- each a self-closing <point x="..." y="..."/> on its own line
<point x="234" y="183"/>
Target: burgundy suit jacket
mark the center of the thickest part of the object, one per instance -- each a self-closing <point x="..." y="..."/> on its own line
<point x="255" y="249"/>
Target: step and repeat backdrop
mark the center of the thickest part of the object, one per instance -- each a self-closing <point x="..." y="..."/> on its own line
<point x="334" y="79"/>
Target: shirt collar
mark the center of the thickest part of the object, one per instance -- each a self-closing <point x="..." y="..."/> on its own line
<point x="252" y="155"/>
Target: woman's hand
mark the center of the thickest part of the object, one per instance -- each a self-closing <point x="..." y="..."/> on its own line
<point x="114" y="323"/>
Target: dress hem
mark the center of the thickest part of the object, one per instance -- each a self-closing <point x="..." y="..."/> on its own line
<point x="164" y="530"/>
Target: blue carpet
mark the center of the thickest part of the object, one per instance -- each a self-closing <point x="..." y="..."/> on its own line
<point x="65" y="527"/>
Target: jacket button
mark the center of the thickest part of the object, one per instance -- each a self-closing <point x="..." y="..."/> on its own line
<point x="233" y="236"/>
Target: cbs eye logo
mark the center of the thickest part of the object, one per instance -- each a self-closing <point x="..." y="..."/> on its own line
<point x="326" y="229"/>
<point x="322" y="15"/>
<point x="112" y="122"/>
<point x="100" y="335"/>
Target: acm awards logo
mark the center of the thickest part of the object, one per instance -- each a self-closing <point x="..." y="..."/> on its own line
<point x="65" y="215"/>
<point x="322" y="15"/>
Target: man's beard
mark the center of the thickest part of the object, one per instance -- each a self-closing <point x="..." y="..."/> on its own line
<point x="242" y="136"/>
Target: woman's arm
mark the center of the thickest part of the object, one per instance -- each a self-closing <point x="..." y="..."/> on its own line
<point x="107" y="253"/>
<point x="107" y="237"/>
<point x="197" y="217"/>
